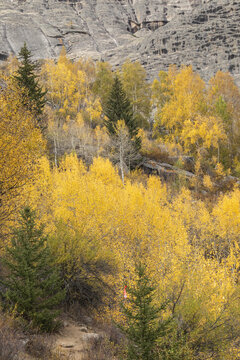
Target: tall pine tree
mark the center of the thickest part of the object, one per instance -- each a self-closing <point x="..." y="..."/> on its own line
<point x="117" y="108"/>
<point x="33" y="286"/>
<point x="142" y="328"/>
<point x="34" y="96"/>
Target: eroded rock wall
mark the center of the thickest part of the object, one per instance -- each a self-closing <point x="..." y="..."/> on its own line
<point x="204" y="33"/>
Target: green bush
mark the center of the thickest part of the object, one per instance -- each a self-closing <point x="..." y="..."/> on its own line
<point x="32" y="286"/>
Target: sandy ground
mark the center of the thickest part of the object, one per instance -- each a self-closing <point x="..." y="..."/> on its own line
<point x="74" y="340"/>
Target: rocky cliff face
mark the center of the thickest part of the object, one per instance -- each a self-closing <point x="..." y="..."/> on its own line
<point x="156" y="32"/>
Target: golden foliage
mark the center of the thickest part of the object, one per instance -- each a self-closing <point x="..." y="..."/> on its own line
<point x="69" y="88"/>
<point x="133" y="77"/>
<point x="191" y="248"/>
<point x="185" y="113"/>
<point x="21" y="144"/>
<point x="172" y="235"/>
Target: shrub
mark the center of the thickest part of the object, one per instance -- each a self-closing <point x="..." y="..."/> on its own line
<point x="10" y="344"/>
<point x="33" y="287"/>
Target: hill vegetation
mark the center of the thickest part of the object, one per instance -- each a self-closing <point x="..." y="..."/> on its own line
<point x="82" y="176"/>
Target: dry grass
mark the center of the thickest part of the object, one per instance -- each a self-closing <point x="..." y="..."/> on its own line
<point x="156" y="153"/>
<point x="11" y="344"/>
<point x="41" y="347"/>
<point x="109" y="346"/>
<point x="15" y="345"/>
<point x="38" y="347"/>
<point x="101" y="349"/>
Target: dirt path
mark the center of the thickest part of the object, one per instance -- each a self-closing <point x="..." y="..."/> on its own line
<point x="74" y="340"/>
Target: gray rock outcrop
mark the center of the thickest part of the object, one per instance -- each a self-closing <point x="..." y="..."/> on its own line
<point x="165" y="171"/>
<point x="204" y="33"/>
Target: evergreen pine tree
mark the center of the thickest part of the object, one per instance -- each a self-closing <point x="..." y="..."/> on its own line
<point x="33" y="287"/>
<point x="117" y="108"/>
<point x="26" y="78"/>
<point x="142" y="327"/>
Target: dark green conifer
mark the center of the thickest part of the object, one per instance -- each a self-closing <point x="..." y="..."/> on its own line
<point x="33" y="287"/>
<point x="117" y="108"/>
<point x="142" y="327"/>
<point x="26" y="78"/>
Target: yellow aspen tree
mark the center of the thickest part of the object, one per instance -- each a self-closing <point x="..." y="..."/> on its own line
<point x="90" y="208"/>
<point x="133" y="77"/>
<point x="183" y="115"/>
<point x="21" y="144"/>
<point x="224" y="98"/>
<point x="186" y="102"/>
<point x="103" y="82"/>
